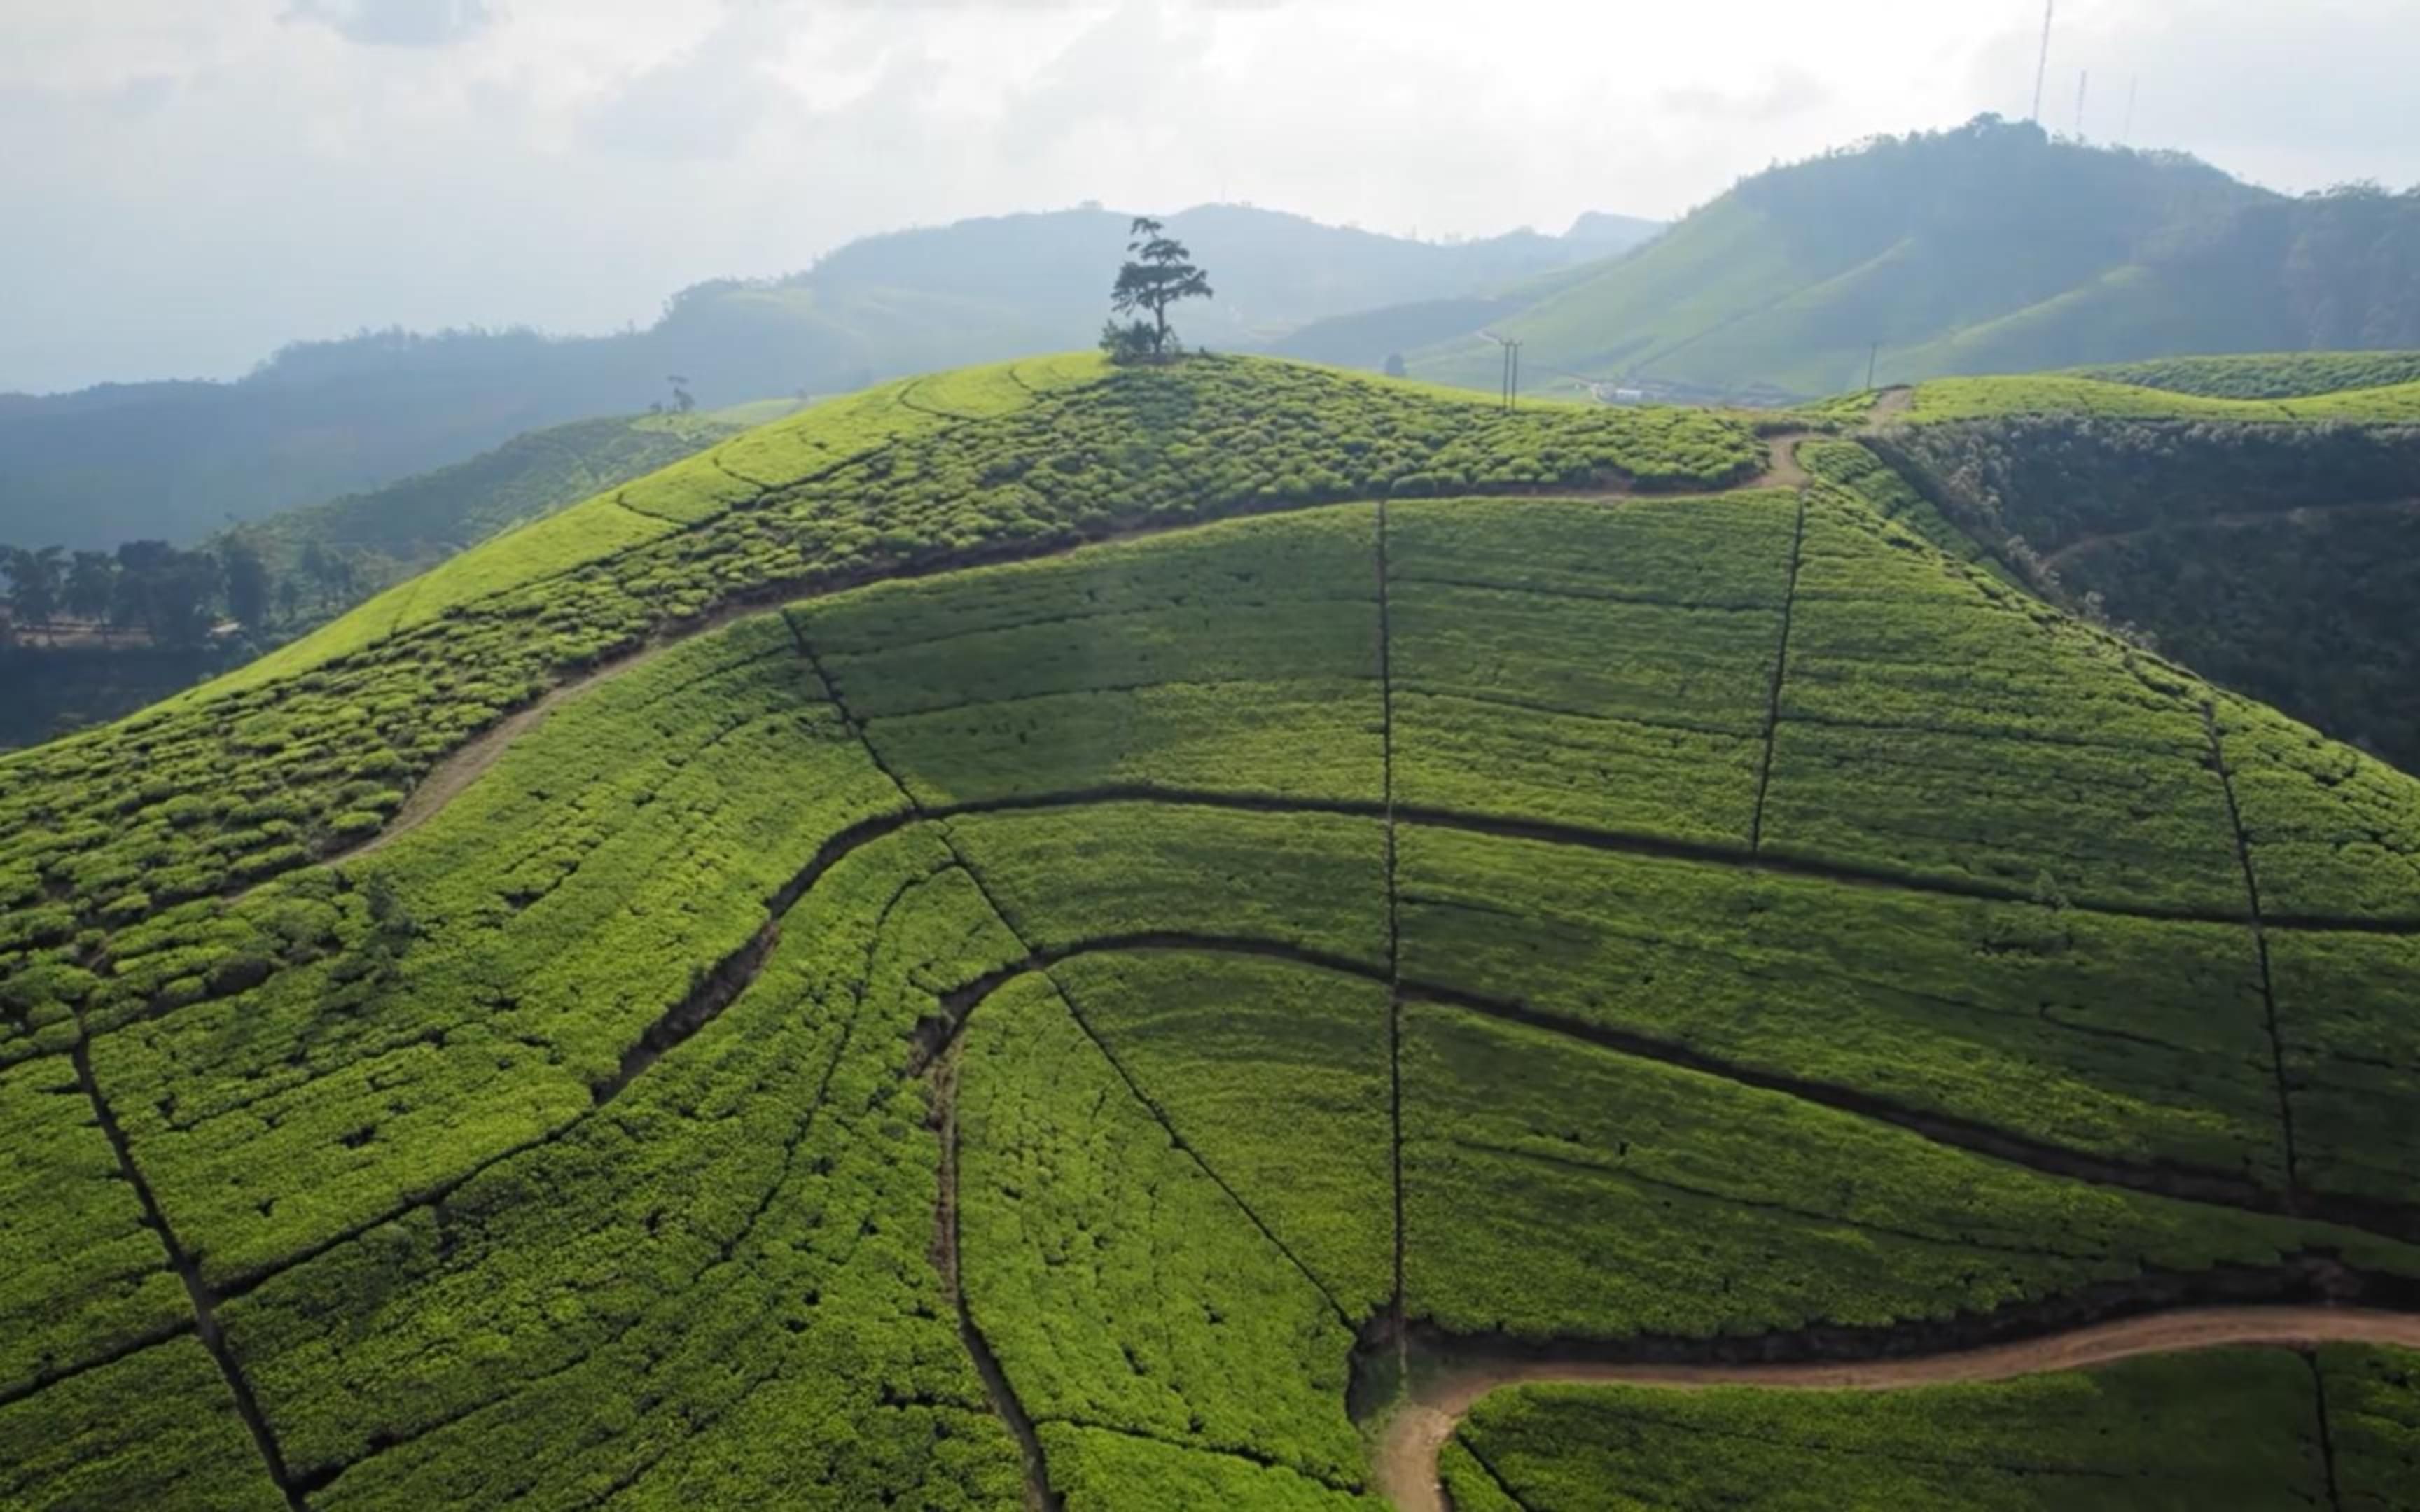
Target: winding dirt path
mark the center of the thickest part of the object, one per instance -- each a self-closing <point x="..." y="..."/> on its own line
<point x="1405" y="1454"/>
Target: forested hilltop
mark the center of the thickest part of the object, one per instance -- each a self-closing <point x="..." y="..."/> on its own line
<point x="1090" y="937"/>
<point x="1992" y="248"/>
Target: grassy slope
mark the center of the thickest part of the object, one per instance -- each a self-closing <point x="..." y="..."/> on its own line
<point x="1108" y="809"/>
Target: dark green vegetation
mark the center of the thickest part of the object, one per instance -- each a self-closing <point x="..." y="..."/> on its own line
<point x="1340" y="861"/>
<point x="174" y="461"/>
<point x="143" y="624"/>
<point x="1988" y="249"/>
<point x="2252" y="1429"/>
<point x="2278" y="559"/>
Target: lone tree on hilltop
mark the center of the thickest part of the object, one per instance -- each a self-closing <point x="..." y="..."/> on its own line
<point x="1160" y="272"/>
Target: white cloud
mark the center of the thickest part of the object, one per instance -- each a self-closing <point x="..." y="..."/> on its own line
<point x="216" y="177"/>
<point x="397" y="23"/>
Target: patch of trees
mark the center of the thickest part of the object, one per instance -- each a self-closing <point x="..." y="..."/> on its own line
<point x="161" y="594"/>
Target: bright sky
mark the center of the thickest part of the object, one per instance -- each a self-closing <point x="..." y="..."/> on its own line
<point x="193" y="183"/>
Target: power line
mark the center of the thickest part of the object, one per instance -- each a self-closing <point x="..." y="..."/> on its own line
<point x="2042" y="69"/>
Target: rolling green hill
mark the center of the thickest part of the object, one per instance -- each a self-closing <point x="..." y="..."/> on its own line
<point x="2279" y="558"/>
<point x="1032" y="936"/>
<point x="1988" y="249"/>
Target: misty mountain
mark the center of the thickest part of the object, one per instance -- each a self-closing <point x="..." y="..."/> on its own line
<point x="321" y="418"/>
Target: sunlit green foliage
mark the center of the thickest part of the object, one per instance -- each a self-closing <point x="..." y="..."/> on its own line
<point x="754" y="1088"/>
<point x="2234" y="1428"/>
<point x="1071" y="877"/>
<point x="2139" y="1039"/>
<point x="1119" y="1284"/>
<point x="1975" y="398"/>
<point x="1936" y="724"/>
<point x="1243" y="657"/>
<point x="1103" y="1470"/>
<point x="715" y="1288"/>
<point x="156" y="1428"/>
<point x="84" y="1273"/>
<point x="1625" y="1198"/>
<point x="1660" y="732"/>
<point x="1276" y="1076"/>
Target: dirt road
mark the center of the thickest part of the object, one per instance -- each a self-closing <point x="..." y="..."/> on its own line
<point x="1406" y="1451"/>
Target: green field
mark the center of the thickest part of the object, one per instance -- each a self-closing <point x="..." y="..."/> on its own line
<point x="1050" y="915"/>
<point x="2236" y="1428"/>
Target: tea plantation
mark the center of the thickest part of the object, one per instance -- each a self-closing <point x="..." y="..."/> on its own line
<point x="1037" y="936"/>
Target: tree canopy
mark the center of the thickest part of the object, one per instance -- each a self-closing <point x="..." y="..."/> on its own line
<point x="1159" y="272"/>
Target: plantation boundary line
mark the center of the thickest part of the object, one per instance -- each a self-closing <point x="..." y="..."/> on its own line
<point x="189" y="1270"/>
<point x="131" y="1345"/>
<point x="947" y="1241"/>
<point x="998" y="1389"/>
<point x="2261" y="944"/>
<point x="1075" y="1011"/>
<point x="1177" y="1136"/>
<point x="722" y="983"/>
<point x="2327" y="1435"/>
<point x="1780" y="670"/>
<point x="1406" y="1451"/>
<point x="326" y="1474"/>
<point x="1395" y="909"/>
<point x="2177" y="1182"/>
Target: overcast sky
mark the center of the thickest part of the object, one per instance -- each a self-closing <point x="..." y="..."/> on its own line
<point x="192" y="182"/>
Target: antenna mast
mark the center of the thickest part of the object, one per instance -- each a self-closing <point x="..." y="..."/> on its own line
<point x="2042" y="69"/>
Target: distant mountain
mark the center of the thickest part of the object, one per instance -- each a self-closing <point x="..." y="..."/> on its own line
<point x="1990" y="248"/>
<point x="1611" y="232"/>
<point x="177" y="459"/>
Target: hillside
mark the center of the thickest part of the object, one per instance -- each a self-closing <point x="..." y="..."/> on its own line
<point x="321" y="559"/>
<point x="319" y="419"/>
<point x="2271" y="544"/>
<point x="1988" y="249"/>
<point x="1033" y="936"/>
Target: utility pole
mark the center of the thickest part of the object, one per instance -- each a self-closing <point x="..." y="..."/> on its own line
<point x="1515" y="400"/>
<point x="2133" y="86"/>
<point x="2042" y="69"/>
<point x="1872" y="355"/>
<point x="2083" y="82"/>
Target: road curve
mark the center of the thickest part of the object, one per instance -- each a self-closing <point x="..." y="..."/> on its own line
<point x="1406" y="1450"/>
